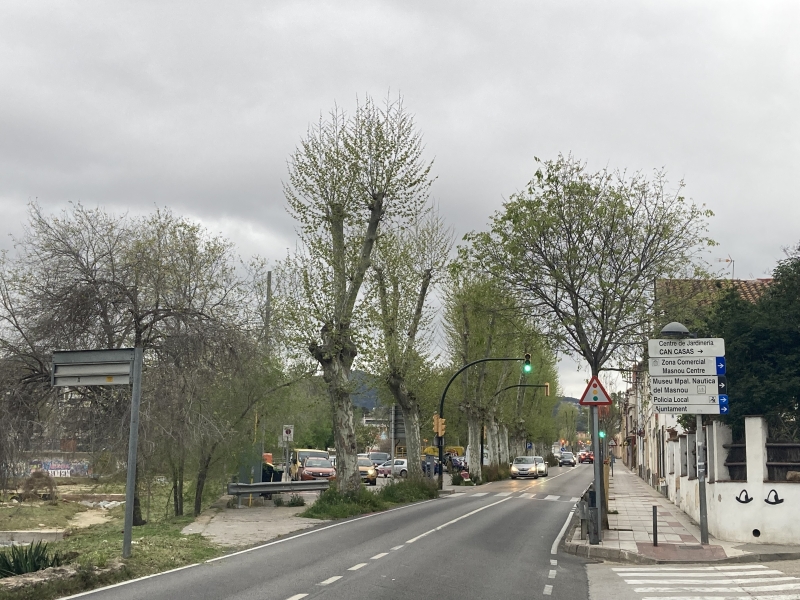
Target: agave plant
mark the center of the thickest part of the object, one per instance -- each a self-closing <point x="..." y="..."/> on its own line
<point x="27" y="559"/>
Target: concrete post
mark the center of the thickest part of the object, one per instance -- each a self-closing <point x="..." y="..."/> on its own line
<point x="755" y="433"/>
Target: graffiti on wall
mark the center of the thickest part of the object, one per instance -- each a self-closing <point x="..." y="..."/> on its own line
<point x="61" y="467"/>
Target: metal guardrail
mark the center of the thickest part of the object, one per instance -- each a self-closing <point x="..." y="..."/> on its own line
<point x="240" y="489"/>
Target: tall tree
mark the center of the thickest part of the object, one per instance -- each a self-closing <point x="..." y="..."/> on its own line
<point x="584" y="250"/>
<point x="348" y="178"/>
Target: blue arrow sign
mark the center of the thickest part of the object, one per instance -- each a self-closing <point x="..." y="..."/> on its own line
<point x="723" y="410"/>
<point x="723" y="400"/>
<point x="720" y="365"/>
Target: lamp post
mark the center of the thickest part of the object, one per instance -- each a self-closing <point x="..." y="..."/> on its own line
<point x="525" y="360"/>
<point x="677" y="330"/>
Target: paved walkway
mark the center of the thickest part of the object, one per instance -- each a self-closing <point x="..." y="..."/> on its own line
<point x="630" y="537"/>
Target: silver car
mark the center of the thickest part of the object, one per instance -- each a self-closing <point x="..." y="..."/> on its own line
<point x="524" y="466"/>
<point x="541" y="466"/>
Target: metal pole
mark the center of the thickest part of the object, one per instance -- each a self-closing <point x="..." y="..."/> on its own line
<point x="391" y="453"/>
<point x="701" y="478"/>
<point x="133" y="442"/>
<point x="598" y="470"/>
<point x="655" y="526"/>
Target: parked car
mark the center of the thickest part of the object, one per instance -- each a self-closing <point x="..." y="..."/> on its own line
<point x="400" y="467"/>
<point x="317" y="468"/>
<point x="567" y="458"/>
<point x="524" y="466"/>
<point x="456" y="464"/>
<point x="367" y="471"/>
<point x="378" y="458"/>
<point x="541" y="466"/>
<point x="385" y="469"/>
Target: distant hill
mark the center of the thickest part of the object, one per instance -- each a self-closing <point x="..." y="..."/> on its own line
<point x="364" y="395"/>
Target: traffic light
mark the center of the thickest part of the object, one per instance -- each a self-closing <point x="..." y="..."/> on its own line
<point x="602" y="434"/>
<point x="547" y="389"/>
<point x="441" y="427"/>
<point x="436" y="423"/>
<point x="527" y="367"/>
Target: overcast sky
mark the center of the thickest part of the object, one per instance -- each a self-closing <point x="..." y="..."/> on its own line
<point x="196" y="105"/>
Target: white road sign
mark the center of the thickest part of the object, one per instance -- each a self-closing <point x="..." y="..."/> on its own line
<point x="695" y="409"/>
<point x="692" y="385"/>
<point x="288" y="433"/>
<point x="686" y="347"/>
<point x="687" y="365"/>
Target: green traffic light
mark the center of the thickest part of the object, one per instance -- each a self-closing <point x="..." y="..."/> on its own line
<point x="527" y="367"/>
<point x="602" y="434"/>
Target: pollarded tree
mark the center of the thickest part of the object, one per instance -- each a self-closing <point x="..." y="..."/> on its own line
<point x="406" y="264"/>
<point x="584" y="251"/>
<point x="349" y="178"/>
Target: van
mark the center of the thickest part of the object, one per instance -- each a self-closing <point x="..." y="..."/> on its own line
<point x="299" y="455"/>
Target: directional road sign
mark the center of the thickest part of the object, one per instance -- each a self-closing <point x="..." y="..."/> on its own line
<point x="688" y="385"/>
<point x="660" y="348"/>
<point x="694" y="404"/>
<point x="91" y="367"/>
<point x="595" y="394"/>
<point x="682" y="365"/>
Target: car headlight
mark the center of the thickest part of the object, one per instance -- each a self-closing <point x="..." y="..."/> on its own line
<point x="515" y="469"/>
<point x="371" y="472"/>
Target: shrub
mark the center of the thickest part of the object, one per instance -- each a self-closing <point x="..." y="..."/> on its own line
<point x="296" y="500"/>
<point x="27" y="559"/>
<point x="333" y="504"/>
<point x="496" y="472"/>
<point x="456" y="479"/>
<point x="277" y="500"/>
<point x="551" y="460"/>
<point x="409" y="491"/>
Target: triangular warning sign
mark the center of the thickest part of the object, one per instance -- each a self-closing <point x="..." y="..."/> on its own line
<point x="595" y="394"/>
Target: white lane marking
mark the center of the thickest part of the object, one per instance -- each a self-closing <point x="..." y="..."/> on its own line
<point x="456" y="520"/>
<point x="548" y="590"/>
<point x="771" y="597"/>
<point x="398" y="547"/>
<point x="289" y="539"/>
<point x="377" y="556"/>
<point x="712" y="574"/>
<point x="330" y="580"/>
<point x="548" y="479"/>
<point x="554" y="547"/>
<point x="480" y="494"/>
<point x="574" y="499"/>
<point x="526" y="496"/>
<point x="504" y="493"/>
<point x="551" y="497"/>
<point x="620" y="570"/>
<point x="551" y="574"/>
<point x="553" y="562"/>
<point x="108" y="587"/>
<point x="454" y="494"/>
<point x="703" y="581"/>
<point x="297" y="597"/>
<point x="357" y="567"/>
<point x="736" y="589"/>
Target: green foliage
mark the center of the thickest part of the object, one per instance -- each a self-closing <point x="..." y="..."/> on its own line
<point x="551" y="460"/>
<point x="278" y="501"/>
<point x="456" y="479"/>
<point x="496" y="473"/>
<point x="296" y="500"/>
<point x="334" y="504"/>
<point x="18" y="560"/>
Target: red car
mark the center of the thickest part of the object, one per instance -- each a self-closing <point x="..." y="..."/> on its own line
<point x="317" y="468"/>
<point x="588" y="458"/>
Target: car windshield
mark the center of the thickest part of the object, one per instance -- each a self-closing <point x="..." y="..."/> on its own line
<point x="319" y="463"/>
<point x="364" y="462"/>
<point x="388" y="463"/>
<point x="566" y="454"/>
<point x="381" y="456"/>
<point x="305" y="454"/>
<point x="523" y="460"/>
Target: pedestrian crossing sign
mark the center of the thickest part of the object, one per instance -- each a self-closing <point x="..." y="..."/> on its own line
<point x="595" y="394"/>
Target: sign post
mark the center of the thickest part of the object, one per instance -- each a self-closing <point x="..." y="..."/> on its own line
<point x="687" y="376"/>
<point x="594" y="396"/>
<point x="107" y="367"/>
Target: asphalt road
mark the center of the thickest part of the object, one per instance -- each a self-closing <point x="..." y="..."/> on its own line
<point x="491" y="541"/>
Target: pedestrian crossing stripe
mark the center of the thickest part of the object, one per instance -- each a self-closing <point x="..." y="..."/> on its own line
<point x="504" y="494"/>
<point x="481" y="494"/>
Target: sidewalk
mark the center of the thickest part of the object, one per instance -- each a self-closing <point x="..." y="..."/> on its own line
<point x="630" y="537"/>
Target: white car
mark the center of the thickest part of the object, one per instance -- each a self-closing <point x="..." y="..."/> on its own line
<point x="541" y="466"/>
<point x="400" y="467"/>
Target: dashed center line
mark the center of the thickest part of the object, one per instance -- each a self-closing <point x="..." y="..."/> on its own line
<point x="398" y="547"/>
<point x="377" y="556"/>
<point x="330" y="580"/>
<point x="357" y="567"/>
<point x="553" y="562"/>
<point x="297" y="597"/>
<point x="551" y="574"/>
<point x="548" y="590"/>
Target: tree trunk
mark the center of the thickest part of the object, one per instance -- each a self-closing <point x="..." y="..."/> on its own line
<point x="202" y="474"/>
<point x="137" y="505"/>
<point x="347" y="476"/>
<point x="491" y="441"/>
<point x="474" y="460"/>
<point x="413" y="442"/>
<point x="177" y="488"/>
<point x="504" y="450"/>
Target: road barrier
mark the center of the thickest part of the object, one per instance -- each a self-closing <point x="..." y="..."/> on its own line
<point x="277" y="487"/>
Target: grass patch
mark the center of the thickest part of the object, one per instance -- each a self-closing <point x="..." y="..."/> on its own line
<point x="333" y="504"/>
<point x="19" y="560"/>
<point x="38" y="515"/>
<point x="296" y="500"/>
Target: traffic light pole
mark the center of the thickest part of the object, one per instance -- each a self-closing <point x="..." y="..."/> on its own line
<point x="441" y="405"/>
<point x="598" y="470"/>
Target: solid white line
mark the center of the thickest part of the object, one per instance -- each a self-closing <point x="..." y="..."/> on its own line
<point x="553" y="562"/>
<point x="657" y="568"/>
<point x="702" y="581"/>
<point x="713" y="574"/>
<point x="116" y="585"/>
<point x="551" y="574"/>
<point x="548" y="590"/>
<point x="440" y="527"/>
<point x="398" y="547"/>
<point x="377" y="556"/>
<point x="554" y="547"/>
<point x="357" y="567"/>
<point x="299" y="535"/>
<point x="330" y="580"/>
<point x="713" y="590"/>
<point x="297" y="597"/>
